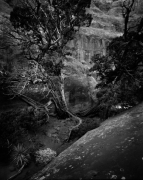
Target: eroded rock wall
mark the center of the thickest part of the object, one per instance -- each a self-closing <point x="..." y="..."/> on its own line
<point x="107" y="23"/>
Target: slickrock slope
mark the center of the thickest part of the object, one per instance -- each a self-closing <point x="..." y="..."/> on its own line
<point x="112" y="151"/>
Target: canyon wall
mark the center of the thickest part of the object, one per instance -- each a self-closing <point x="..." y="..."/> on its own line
<point x="107" y="24"/>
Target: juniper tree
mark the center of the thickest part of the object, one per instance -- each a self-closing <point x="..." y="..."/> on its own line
<point x="42" y="29"/>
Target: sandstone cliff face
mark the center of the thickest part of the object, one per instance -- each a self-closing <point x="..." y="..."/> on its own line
<point x="107" y="15"/>
<point x="107" y="23"/>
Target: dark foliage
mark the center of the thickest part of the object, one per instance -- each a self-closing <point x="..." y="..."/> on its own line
<point x="49" y="24"/>
<point x="121" y="72"/>
<point x="16" y="125"/>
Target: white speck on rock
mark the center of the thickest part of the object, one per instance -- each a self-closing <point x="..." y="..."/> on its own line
<point x="43" y="177"/>
<point x="55" y="170"/>
<point x="113" y="177"/>
<point x="78" y="157"/>
<point x="47" y="175"/>
<point x="123" y="178"/>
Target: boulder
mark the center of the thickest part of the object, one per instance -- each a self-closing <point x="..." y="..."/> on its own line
<point x="78" y="93"/>
<point x="112" y="151"/>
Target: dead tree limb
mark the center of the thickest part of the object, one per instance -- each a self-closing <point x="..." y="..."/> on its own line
<point x="15" y="175"/>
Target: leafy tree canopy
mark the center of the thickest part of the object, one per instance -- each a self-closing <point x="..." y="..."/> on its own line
<point x="49" y="24"/>
<point x="41" y="30"/>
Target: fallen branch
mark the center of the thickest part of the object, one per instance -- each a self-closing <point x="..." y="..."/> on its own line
<point x="15" y="175"/>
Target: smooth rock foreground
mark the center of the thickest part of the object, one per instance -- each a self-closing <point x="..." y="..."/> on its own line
<point x="112" y="151"/>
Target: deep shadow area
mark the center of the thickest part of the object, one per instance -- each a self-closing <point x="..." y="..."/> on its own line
<point x="54" y="135"/>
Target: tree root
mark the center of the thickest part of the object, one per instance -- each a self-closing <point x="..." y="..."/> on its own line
<point x="73" y="128"/>
<point x="56" y="101"/>
<point x="34" y="104"/>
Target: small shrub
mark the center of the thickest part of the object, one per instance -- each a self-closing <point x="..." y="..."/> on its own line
<point x="45" y="156"/>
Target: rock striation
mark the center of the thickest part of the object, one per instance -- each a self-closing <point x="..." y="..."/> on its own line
<point x="107" y="23"/>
